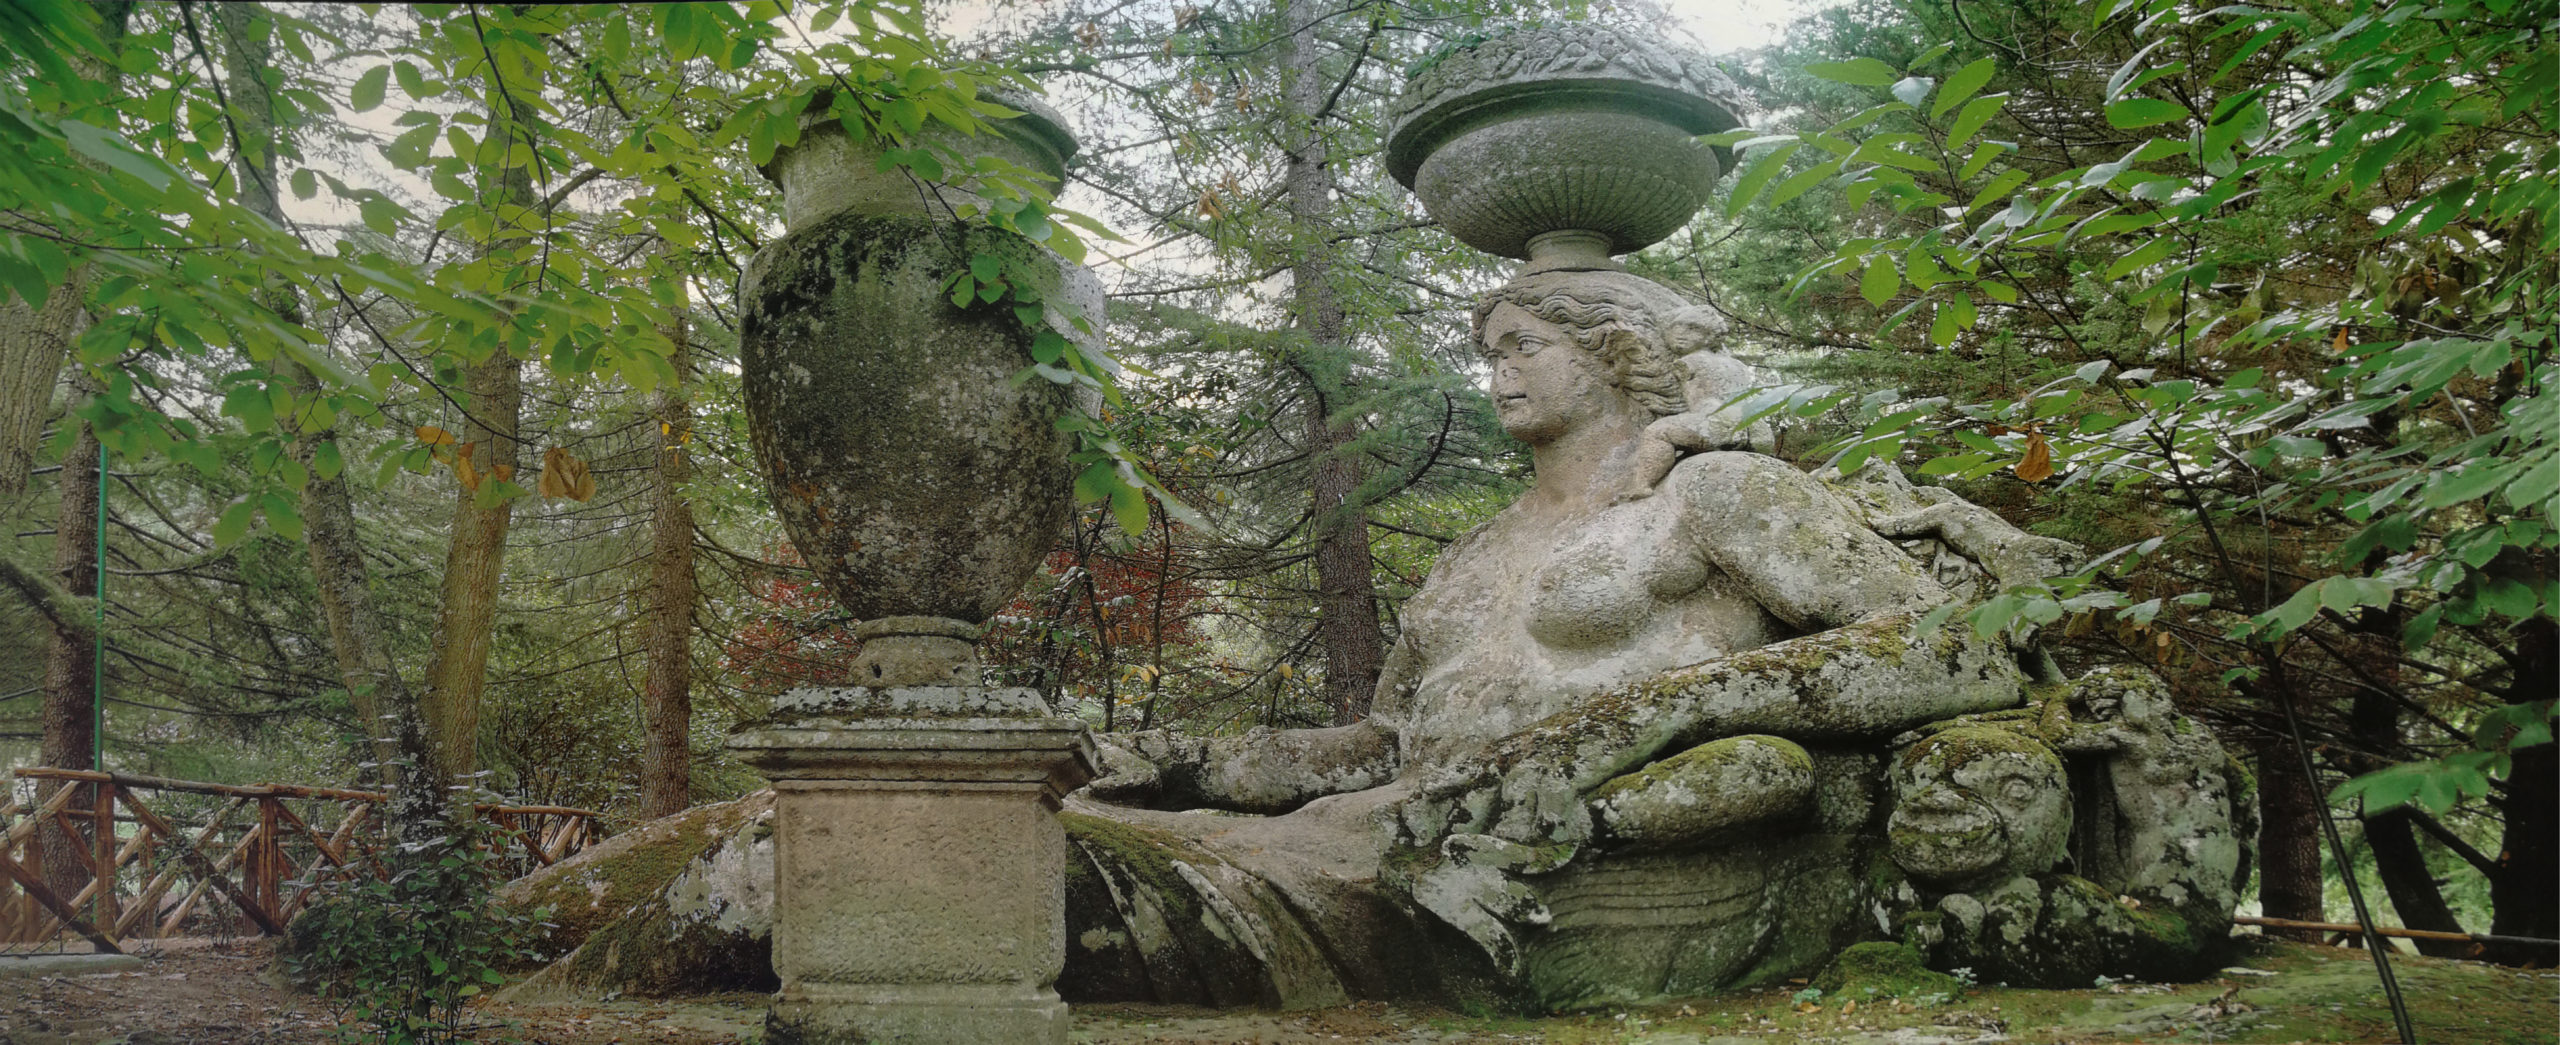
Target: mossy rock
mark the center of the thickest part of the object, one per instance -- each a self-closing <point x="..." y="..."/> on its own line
<point x="1883" y="970"/>
<point x="596" y="888"/>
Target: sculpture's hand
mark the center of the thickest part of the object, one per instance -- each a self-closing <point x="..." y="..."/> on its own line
<point x="2010" y="555"/>
<point x="1132" y="765"/>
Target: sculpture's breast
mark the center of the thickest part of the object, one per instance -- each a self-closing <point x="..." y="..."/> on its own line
<point x="1538" y="611"/>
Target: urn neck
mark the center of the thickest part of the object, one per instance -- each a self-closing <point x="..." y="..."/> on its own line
<point x="1569" y="250"/>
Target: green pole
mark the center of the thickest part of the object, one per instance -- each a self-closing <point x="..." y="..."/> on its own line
<point x="98" y="639"/>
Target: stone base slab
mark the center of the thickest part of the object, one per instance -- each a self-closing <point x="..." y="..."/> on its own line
<point x="916" y="1014"/>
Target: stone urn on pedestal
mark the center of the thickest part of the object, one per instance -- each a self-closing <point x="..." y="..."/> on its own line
<point x="1563" y="145"/>
<point x="919" y="863"/>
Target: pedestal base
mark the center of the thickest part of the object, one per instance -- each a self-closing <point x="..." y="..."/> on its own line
<point x="919" y="868"/>
<point x="915" y="1014"/>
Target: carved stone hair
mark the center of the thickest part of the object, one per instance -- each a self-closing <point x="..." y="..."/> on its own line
<point x="1638" y="327"/>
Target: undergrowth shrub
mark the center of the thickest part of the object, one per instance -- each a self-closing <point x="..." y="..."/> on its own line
<point x="400" y="957"/>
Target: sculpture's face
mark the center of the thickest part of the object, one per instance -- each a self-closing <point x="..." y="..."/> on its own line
<point x="1543" y="385"/>
<point x="1977" y="803"/>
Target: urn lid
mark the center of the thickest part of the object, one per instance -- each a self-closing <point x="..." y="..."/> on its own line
<point x="1040" y="131"/>
<point x="1476" y="84"/>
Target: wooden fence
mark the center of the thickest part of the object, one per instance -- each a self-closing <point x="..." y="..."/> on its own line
<point x="260" y="851"/>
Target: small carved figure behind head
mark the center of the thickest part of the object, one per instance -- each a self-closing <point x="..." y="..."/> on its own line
<point x="1979" y="803"/>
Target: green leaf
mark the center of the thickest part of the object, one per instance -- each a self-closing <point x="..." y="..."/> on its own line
<point x="281" y="515"/>
<point x="1757" y="177"/>
<point x="1880" y="282"/>
<point x="1047" y="346"/>
<point x="2133" y="113"/>
<point x="1095" y="482"/>
<point x="325" y="460"/>
<point x="1961" y="86"/>
<point x="234" y="523"/>
<point x="1129" y="507"/>
<point x="2142" y="257"/>
<point x="1977" y="113"/>
<point x="305" y="184"/>
<point x="108" y="149"/>
<point x="367" y="95"/>
<point x="2473" y="482"/>
<point x="250" y="404"/>
<point x="1856" y="72"/>
<point x="412" y="82"/>
<point x="1805" y="180"/>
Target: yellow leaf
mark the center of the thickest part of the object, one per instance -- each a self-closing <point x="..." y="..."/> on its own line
<point x="434" y="436"/>
<point x="563" y="475"/>
<point x="2037" y="465"/>
<point x="462" y="468"/>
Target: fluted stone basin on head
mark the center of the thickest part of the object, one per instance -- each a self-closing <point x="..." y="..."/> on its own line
<point x="1576" y="129"/>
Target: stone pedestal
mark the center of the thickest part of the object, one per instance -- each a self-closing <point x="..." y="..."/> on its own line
<point x="920" y="867"/>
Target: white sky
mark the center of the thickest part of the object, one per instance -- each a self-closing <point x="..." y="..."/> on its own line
<point x="1735" y="25"/>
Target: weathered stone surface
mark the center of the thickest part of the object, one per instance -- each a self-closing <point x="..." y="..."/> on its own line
<point x="1571" y="127"/>
<point x="1630" y="748"/>
<point x="912" y="472"/>
<point x="1690" y="798"/>
<point x="684" y="903"/>
<point x="2132" y="868"/>
<point x="828" y="173"/>
<point x="919" y="866"/>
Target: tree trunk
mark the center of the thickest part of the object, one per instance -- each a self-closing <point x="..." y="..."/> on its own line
<point x="2397" y="860"/>
<point x="2290" y="808"/>
<point x="71" y="659"/>
<point x="35" y="341"/>
<point x="356" y="634"/>
<point x="33" y="344"/>
<point x="493" y="397"/>
<point x="666" y="703"/>
<point x="1346" y="599"/>
<point x="475" y="556"/>
<point x="2521" y="897"/>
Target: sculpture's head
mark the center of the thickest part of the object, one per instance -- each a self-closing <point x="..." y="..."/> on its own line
<point x="1978" y="803"/>
<point x="1633" y="328"/>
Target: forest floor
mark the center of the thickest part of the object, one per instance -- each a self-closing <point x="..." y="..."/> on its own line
<point x="220" y="994"/>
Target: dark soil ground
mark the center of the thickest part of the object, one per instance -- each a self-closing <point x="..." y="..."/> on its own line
<point x="219" y="994"/>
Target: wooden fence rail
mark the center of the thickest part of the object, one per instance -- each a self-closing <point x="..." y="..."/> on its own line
<point x="146" y="876"/>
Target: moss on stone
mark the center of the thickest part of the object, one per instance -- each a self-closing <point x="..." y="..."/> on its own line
<point x="1884" y="970"/>
<point x="1144" y="852"/>
<point x="1956" y="745"/>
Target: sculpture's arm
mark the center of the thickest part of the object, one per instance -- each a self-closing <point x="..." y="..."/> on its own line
<point x="1865" y="680"/>
<point x="1800" y="551"/>
<point x="1261" y="771"/>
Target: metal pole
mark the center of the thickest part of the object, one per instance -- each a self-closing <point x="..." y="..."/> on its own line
<point x="98" y="638"/>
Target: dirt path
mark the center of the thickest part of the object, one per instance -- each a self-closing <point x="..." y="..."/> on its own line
<point x="219" y="995"/>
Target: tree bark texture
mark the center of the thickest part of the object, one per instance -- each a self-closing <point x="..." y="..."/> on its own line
<point x="71" y="658"/>
<point x="2289" y="883"/>
<point x="475" y="556"/>
<point x="2524" y="892"/>
<point x="33" y="344"/>
<point x="356" y="633"/>
<point x="1346" y="599"/>
<point x="35" y="341"/>
<point x="2397" y="859"/>
<point x="666" y="701"/>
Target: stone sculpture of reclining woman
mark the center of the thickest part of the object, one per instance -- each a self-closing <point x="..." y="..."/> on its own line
<point x="1623" y="747"/>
